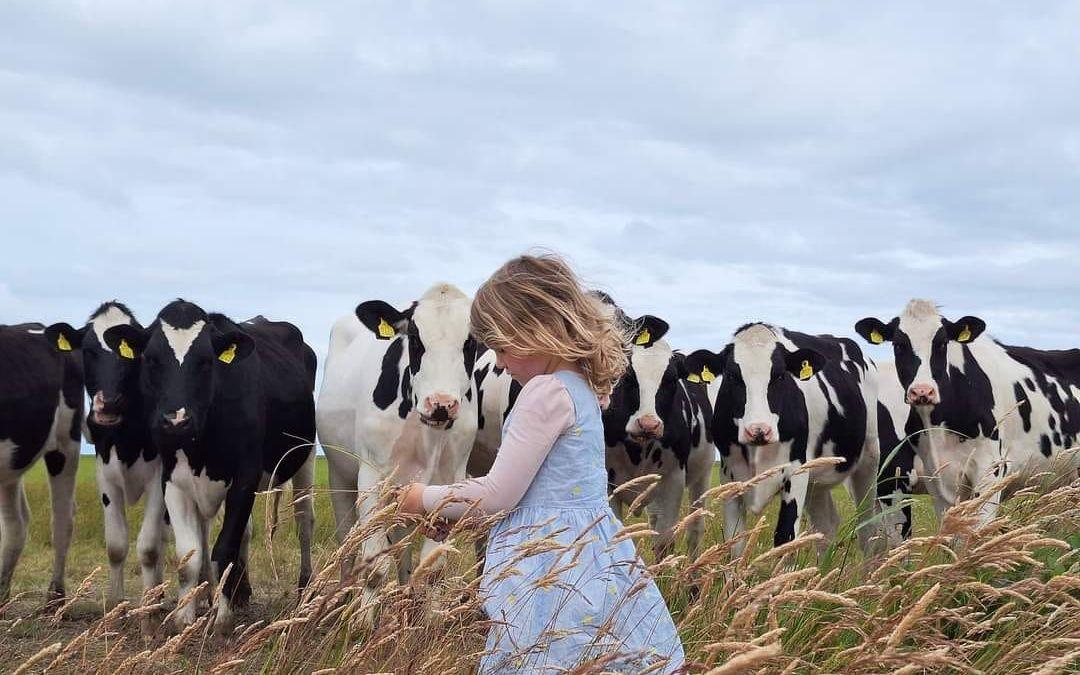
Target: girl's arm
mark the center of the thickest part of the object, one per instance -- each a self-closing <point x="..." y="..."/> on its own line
<point x="542" y="412"/>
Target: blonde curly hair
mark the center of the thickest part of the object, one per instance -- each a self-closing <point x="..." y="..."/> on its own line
<point x="535" y="304"/>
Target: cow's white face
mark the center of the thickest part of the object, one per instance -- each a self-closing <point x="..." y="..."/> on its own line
<point x="441" y="353"/>
<point x="926" y="345"/>
<point x="753" y="353"/>
<point x="431" y="339"/>
<point x="652" y="369"/>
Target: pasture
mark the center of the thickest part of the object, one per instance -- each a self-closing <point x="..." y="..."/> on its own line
<point x="1005" y="600"/>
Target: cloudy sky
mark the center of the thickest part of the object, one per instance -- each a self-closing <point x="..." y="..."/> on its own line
<point x="807" y="164"/>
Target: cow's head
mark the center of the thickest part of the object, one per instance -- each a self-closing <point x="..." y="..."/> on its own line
<point x="760" y="393"/>
<point x="922" y="340"/>
<point x="183" y="357"/>
<point x="440" y="349"/>
<point x="646" y="392"/>
<point x="111" y="376"/>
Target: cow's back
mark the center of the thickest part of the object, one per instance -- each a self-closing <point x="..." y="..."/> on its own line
<point x="287" y="378"/>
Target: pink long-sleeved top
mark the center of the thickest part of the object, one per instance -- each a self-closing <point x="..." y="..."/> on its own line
<point x="542" y="412"/>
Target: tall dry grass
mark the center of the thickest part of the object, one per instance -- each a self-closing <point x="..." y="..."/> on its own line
<point x="1002" y="599"/>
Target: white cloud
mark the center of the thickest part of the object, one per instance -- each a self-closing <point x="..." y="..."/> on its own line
<point x="710" y="163"/>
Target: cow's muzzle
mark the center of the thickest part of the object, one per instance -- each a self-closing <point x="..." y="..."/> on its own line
<point x="759" y="434"/>
<point x="177" y="423"/>
<point x="107" y="411"/>
<point x="439" y="411"/>
<point x="647" y="428"/>
<point x="923" y="395"/>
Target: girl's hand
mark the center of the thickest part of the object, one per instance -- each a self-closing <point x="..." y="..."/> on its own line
<point x="438" y="531"/>
<point x="412" y="499"/>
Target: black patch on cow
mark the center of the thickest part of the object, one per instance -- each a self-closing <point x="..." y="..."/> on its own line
<point x="785" y="523"/>
<point x="1023" y="405"/>
<point x="1044" y="444"/>
<point x="515" y="389"/>
<point x="1052" y="421"/>
<point x="182" y="314"/>
<point x="1057" y="439"/>
<point x="406" y="394"/>
<point x="386" y="388"/>
<point x="54" y="462"/>
<point x="104" y="499"/>
<point x="657" y="454"/>
<point x="478" y="377"/>
<point x="1029" y="383"/>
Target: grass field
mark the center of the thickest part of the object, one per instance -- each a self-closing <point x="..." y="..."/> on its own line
<point x="1006" y="600"/>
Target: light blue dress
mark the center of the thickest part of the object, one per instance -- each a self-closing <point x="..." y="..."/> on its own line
<point x="554" y="606"/>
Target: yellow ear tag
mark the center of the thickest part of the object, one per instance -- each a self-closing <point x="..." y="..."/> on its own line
<point x="62" y="343"/>
<point x="228" y="355"/>
<point x="643" y="337"/>
<point x="706" y="374"/>
<point x="386" y="330"/>
<point x="965" y="335"/>
<point x="806" y="372"/>
<point x="693" y="377"/>
<point x="876" y="338"/>
<point x="125" y="350"/>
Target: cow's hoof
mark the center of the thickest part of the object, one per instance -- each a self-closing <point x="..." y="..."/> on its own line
<point x="242" y="596"/>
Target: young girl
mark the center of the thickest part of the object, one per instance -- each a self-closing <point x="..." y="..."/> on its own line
<point x="557" y="589"/>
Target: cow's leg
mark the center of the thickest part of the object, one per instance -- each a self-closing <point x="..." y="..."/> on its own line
<point x="862" y="486"/>
<point x="243" y="583"/>
<point x="373" y="557"/>
<point x="821" y="510"/>
<point x="13" y="526"/>
<point x="344" y="470"/>
<point x="986" y="468"/>
<point x="664" y="509"/>
<point x="113" y="500"/>
<point x="238" y="504"/>
<point x="792" y="505"/>
<point x="304" y="512"/>
<point x="735" y="524"/>
<point x="187" y="525"/>
<point x="697" y="486"/>
<point x="150" y="544"/>
<point x="62" y="466"/>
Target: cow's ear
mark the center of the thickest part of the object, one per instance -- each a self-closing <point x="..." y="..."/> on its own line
<point x="874" y="331"/>
<point x="63" y="337"/>
<point x="805" y="363"/>
<point x="382" y="319"/>
<point x="126" y="340"/>
<point x="232" y="346"/>
<point x="965" y="330"/>
<point x="648" y="329"/>
<point x="705" y="366"/>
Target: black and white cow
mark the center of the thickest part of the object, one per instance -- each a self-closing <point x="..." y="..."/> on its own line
<point x="396" y="379"/>
<point x="658" y="422"/>
<point x="127" y="464"/>
<point x="786" y="398"/>
<point x="228" y="406"/>
<point x="981" y="410"/>
<point x="41" y="404"/>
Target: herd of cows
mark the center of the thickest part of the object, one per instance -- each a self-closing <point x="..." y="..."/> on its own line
<point x="197" y="411"/>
